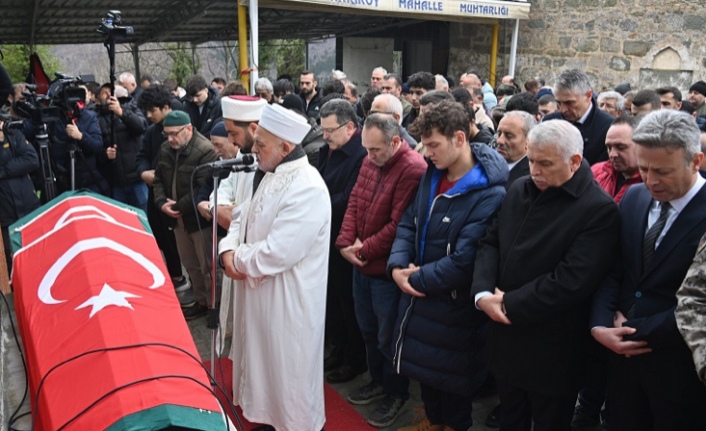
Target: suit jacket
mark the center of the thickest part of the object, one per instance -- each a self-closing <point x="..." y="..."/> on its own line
<point x="653" y="292"/>
<point x="593" y="131"/>
<point x="521" y="169"/>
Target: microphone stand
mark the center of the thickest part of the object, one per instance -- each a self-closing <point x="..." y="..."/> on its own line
<point x="213" y="311"/>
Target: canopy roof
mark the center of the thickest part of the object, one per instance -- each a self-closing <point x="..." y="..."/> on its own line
<point x="76" y="21"/>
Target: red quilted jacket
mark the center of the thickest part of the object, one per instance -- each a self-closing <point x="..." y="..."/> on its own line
<point x="378" y="200"/>
<point x="607" y="178"/>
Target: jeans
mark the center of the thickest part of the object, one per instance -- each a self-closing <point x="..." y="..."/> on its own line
<point x="376" y="302"/>
<point x="134" y="194"/>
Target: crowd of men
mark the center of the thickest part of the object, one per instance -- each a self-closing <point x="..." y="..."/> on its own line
<point x="546" y="244"/>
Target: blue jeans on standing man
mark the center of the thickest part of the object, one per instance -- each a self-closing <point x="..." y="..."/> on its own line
<point x="376" y="302"/>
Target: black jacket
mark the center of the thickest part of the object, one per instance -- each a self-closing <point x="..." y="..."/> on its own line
<point x="593" y="131"/>
<point x="547" y="251"/>
<point x="312" y="110"/>
<point x="339" y="170"/>
<point x="439" y="339"/>
<point x="484" y="135"/>
<point x="211" y="114"/>
<point x="128" y="138"/>
<point x="17" y="198"/>
<point x="518" y="171"/>
<point x="148" y="154"/>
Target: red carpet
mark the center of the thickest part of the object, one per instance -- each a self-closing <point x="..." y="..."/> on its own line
<point x="340" y="416"/>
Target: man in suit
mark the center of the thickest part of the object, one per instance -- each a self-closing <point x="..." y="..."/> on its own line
<point x="513" y="130"/>
<point x="652" y="383"/>
<point x="339" y="163"/>
<point x="574" y="96"/>
<point x="534" y="276"/>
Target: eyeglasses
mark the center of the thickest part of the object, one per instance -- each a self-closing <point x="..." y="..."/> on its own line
<point x="330" y="131"/>
<point x="174" y="134"/>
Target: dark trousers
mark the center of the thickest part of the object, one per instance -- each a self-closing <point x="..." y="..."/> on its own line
<point x="164" y="237"/>
<point x="656" y="391"/>
<point x="341" y="326"/>
<point x="452" y="410"/>
<point x="376" y="302"/>
<point x="521" y="408"/>
<point x="592" y="395"/>
<point x="8" y="248"/>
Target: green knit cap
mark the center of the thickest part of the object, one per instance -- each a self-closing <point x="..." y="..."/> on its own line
<point x="176" y="118"/>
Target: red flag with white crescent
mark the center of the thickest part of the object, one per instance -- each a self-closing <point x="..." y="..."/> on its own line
<point x="102" y="328"/>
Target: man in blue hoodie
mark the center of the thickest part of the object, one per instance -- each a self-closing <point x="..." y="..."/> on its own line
<point x="440" y="335"/>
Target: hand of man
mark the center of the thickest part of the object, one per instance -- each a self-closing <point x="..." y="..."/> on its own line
<point x="229" y="267"/>
<point x="111" y="152"/>
<point x="204" y="211"/>
<point x="612" y="338"/>
<point x="494" y="306"/>
<point x="168" y="210"/>
<point x="352" y="255"/>
<point x="148" y="177"/>
<point x="114" y="106"/>
<point x="73" y="132"/>
<point x="401" y="277"/>
<point x="225" y="215"/>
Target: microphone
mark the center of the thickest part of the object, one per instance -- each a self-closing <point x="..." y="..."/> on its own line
<point x="241" y="160"/>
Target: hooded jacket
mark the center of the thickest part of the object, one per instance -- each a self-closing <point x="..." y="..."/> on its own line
<point x="439" y="339"/>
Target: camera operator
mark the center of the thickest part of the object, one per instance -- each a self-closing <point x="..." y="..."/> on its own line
<point x="85" y="132"/>
<point x="17" y="160"/>
<point x="120" y="117"/>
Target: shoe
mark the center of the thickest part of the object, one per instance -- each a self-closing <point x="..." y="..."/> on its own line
<point x="194" y="312"/>
<point x="181" y="285"/>
<point x="584" y="418"/>
<point x="424" y="425"/>
<point x="493" y="418"/>
<point x="332" y="362"/>
<point x="366" y="394"/>
<point x="344" y="374"/>
<point x="386" y="412"/>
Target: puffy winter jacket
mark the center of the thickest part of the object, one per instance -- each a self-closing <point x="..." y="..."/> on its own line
<point x="17" y="160"/>
<point x="607" y="178"/>
<point x="378" y="201"/>
<point x="440" y="337"/>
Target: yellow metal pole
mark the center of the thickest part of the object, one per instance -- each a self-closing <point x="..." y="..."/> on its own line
<point x="243" y="44"/>
<point x="494" y="54"/>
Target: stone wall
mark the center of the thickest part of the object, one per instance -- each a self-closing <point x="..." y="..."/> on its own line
<point x="645" y="42"/>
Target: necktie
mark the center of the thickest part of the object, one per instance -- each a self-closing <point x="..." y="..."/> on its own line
<point x="648" y="245"/>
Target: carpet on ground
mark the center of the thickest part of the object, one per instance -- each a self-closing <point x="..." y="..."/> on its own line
<point x="340" y="416"/>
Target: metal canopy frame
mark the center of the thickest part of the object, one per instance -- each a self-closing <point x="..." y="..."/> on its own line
<point x="55" y="22"/>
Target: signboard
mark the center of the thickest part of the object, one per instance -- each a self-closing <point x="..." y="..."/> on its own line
<point x="452" y="10"/>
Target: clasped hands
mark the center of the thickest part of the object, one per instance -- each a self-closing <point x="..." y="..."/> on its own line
<point x="612" y="338"/>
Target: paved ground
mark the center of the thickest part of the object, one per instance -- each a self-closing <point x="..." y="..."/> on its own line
<point x="12" y="380"/>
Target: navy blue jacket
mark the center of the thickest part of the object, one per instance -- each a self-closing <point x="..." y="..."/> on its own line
<point x="440" y="338"/>
<point x="17" y="160"/>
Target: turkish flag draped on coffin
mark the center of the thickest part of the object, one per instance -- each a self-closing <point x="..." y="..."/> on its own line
<point x="106" y="344"/>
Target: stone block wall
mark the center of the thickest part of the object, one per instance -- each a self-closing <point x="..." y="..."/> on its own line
<point x="645" y="42"/>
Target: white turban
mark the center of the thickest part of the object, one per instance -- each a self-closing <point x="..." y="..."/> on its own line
<point x="245" y="109"/>
<point x="285" y="124"/>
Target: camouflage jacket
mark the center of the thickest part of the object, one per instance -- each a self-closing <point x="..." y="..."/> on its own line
<point x="691" y="309"/>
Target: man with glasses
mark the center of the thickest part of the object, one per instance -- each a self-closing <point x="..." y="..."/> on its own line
<point x="611" y="102"/>
<point x="339" y="162"/>
<point x="186" y="149"/>
<point x="202" y="104"/>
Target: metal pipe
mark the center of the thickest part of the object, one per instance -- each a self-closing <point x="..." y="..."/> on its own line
<point x="494" y="54"/>
<point x="254" y="41"/>
<point x="513" y="48"/>
<point x="243" y="44"/>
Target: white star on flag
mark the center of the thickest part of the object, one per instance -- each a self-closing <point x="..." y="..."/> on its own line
<point x="108" y="296"/>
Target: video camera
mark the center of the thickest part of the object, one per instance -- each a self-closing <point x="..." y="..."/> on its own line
<point x="64" y="101"/>
<point x="111" y="25"/>
<point x="8" y="125"/>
